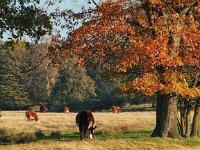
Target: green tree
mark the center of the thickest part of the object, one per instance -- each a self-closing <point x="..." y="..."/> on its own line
<point x="42" y="75"/>
<point x="13" y="75"/>
<point x="73" y="83"/>
<point x="23" y="17"/>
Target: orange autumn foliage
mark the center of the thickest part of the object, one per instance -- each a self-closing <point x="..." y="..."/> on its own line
<point x="175" y="83"/>
<point x="149" y="34"/>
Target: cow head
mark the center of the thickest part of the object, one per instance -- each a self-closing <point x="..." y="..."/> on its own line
<point x="91" y="131"/>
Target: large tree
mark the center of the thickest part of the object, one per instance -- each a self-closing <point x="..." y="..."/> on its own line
<point x="14" y="73"/>
<point x="161" y="37"/>
<point x="23" y="17"/>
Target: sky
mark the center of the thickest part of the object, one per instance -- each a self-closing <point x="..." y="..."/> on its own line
<point x="75" y="5"/>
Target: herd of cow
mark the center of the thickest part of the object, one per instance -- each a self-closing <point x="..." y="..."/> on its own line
<point x="84" y="119"/>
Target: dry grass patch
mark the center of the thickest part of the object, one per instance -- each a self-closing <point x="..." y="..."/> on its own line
<point x="128" y="130"/>
<point x="124" y="122"/>
<point x="121" y="144"/>
<point x="106" y="122"/>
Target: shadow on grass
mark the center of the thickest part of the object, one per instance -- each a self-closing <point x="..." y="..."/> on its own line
<point x="138" y="109"/>
<point x="125" y="135"/>
<point x="62" y="137"/>
<point x="98" y="136"/>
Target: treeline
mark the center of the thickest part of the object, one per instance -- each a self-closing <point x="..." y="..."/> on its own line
<point x="28" y="78"/>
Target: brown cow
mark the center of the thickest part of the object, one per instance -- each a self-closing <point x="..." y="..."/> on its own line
<point x="66" y="109"/>
<point x="116" y="109"/>
<point x="31" y="115"/>
<point x="85" y="122"/>
<point x="43" y="109"/>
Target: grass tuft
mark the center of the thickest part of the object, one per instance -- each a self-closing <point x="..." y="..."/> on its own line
<point x="25" y="137"/>
<point x="8" y="137"/>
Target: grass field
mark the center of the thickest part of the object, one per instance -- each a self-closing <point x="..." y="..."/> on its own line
<point x="58" y="131"/>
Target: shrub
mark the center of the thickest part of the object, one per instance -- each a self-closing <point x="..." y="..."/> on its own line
<point x="3" y="132"/>
<point x="39" y="133"/>
<point x="25" y="137"/>
<point x="6" y="136"/>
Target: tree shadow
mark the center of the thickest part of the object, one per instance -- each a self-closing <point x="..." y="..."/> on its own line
<point x="138" y="109"/>
<point x="60" y="137"/>
<point x="74" y="136"/>
<point x="125" y="135"/>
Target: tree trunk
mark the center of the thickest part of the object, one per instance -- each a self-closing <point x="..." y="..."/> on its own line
<point x="195" y="124"/>
<point x="159" y="101"/>
<point x="166" y="117"/>
<point x="187" y="130"/>
<point x="182" y="118"/>
<point x="186" y="107"/>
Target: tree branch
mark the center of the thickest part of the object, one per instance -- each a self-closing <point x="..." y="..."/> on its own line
<point x="95" y="3"/>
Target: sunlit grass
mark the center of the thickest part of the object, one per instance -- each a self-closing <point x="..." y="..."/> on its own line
<point x="58" y="131"/>
<point x="106" y="122"/>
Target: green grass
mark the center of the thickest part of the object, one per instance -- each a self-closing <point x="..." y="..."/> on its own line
<point x="64" y="136"/>
<point x="134" y="136"/>
<point x="125" y="135"/>
<point x="67" y="136"/>
<point x="73" y="136"/>
<point x="142" y="137"/>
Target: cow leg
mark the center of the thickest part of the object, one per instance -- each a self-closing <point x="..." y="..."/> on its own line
<point x="28" y="119"/>
<point x="81" y="132"/>
<point x="90" y="135"/>
<point x="84" y="132"/>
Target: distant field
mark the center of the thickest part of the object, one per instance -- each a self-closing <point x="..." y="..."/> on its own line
<point x="106" y="121"/>
<point x="128" y="130"/>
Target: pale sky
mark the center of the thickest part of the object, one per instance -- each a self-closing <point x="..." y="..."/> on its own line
<point x="75" y="5"/>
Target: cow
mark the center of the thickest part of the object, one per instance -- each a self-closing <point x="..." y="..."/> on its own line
<point x="85" y="122"/>
<point x="0" y="113"/>
<point x="31" y="115"/>
<point x="66" y="109"/>
<point x="116" y="109"/>
<point x="43" y="109"/>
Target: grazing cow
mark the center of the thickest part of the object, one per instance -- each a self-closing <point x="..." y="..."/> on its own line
<point x="85" y="122"/>
<point x="116" y="109"/>
<point x="43" y="109"/>
<point x="66" y="109"/>
<point x="31" y="115"/>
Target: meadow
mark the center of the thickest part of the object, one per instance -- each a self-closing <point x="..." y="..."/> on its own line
<point x="58" y="131"/>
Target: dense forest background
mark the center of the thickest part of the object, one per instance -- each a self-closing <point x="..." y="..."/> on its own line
<point x="28" y="78"/>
